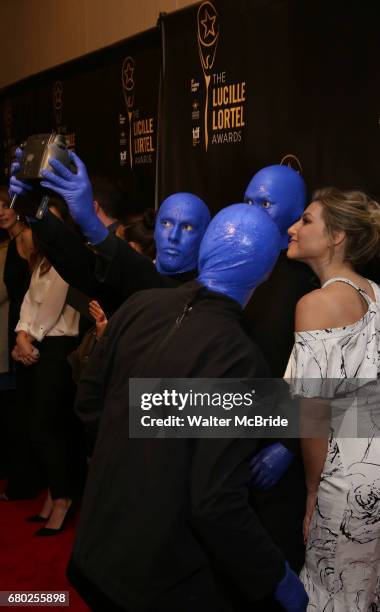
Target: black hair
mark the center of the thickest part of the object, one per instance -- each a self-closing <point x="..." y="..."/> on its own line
<point x="109" y="195"/>
<point x="142" y="232"/>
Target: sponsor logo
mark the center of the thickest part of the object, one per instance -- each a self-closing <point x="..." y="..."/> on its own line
<point x="196" y="136"/>
<point x="194" y="86"/>
<point x="141" y="129"/>
<point x="224" y="110"/>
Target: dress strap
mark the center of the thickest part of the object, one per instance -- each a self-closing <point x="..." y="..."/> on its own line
<point x="341" y="279"/>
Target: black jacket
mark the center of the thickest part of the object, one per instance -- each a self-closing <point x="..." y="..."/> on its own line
<point x="269" y="314"/>
<point x="159" y="512"/>
<point x="74" y="261"/>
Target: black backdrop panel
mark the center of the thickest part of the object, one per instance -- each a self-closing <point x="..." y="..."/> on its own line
<point x="283" y="78"/>
<point x="105" y="104"/>
<point x="264" y="80"/>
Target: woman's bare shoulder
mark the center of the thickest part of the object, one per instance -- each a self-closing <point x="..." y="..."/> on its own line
<point x="313" y="311"/>
<point x="337" y="305"/>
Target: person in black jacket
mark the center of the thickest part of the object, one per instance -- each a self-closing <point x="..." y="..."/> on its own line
<point x="165" y="522"/>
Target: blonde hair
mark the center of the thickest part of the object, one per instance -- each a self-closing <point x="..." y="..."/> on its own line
<point x="356" y="214"/>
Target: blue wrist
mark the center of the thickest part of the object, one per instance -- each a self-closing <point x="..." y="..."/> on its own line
<point x="95" y="232"/>
<point x="285" y="577"/>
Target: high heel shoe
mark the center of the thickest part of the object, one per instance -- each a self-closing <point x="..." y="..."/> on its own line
<point x="52" y="531"/>
<point x="49" y="531"/>
<point x="37" y="518"/>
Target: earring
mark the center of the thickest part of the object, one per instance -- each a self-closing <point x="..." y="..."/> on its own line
<point x="18" y="217"/>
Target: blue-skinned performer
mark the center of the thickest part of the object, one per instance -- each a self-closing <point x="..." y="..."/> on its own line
<point x="281" y="191"/>
<point x="181" y="222"/>
<point x="278" y="487"/>
<point x="166" y="524"/>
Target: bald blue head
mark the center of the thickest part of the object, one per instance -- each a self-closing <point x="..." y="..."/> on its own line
<point x="281" y="192"/>
<point x="238" y="251"/>
<point x="180" y="225"/>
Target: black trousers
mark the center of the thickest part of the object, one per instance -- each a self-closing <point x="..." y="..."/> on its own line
<point x="24" y="478"/>
<point x="48" y="390"/>
<point x="7" y="400"/>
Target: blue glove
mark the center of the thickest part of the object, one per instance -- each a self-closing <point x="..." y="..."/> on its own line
<point x="269" y="465"/>
<point x="17" y="187"/>
<point x="76" y="190"/>
<point x="290" y="592"/>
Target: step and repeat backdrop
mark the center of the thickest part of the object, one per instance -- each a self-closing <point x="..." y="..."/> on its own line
<point x="105" y="104"/>
<point x="248" y="84"/>
<point x="215" y="92"/>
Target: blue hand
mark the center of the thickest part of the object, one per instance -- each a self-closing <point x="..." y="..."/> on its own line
<point x="269" y="465"/>
<point x="17" y="187"/>
<point x="290" y="592"/>
<point x="76" y="190"/>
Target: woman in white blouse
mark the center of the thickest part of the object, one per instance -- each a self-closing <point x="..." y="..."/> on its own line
<point x="338" y="337"/>
<point x="46" y="333"/>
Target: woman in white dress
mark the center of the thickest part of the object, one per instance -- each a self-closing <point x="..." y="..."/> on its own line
<point x="338" y="336"/>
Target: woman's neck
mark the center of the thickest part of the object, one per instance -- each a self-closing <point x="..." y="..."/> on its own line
<point x="326" y="270"/>
<point x="16" y="229"/>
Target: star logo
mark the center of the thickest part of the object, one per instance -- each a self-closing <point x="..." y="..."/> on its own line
<point x="208" y="24"/>
<point x="127" y="73"/>
<point x="195" y="105"/>
<point x="58" y="95"/>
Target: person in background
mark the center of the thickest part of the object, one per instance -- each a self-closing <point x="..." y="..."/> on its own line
<point x="4" y="302"/>
<point x="338" y="337"/>
<point x="108" y="202"/>
<point x="23" y="480"/>
<point x="139" y="233"/>
<point x="140" y="237"/>
<point x="6" y="379"/>
<point x="47" y="331"/>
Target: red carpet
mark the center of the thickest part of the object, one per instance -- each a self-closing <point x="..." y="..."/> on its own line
<point x="30" y="563"/>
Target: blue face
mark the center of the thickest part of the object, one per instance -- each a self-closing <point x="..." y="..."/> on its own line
<point x="181" y="222"/>
<point x="281" y="192"/>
